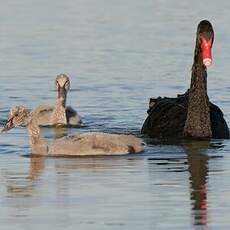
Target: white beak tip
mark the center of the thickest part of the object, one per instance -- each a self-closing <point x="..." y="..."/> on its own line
<point x="207" y="61"/>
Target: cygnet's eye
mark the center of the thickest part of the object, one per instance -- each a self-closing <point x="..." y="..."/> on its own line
<point x="67" y="84"/>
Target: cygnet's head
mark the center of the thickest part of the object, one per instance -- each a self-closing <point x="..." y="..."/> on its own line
<point x="62" y="85"/>
<point x="18" y="116"/>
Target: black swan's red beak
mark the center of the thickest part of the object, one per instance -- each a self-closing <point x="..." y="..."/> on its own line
<point x="206" y="46"/>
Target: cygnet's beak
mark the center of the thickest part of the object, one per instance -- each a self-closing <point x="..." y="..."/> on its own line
<point x="61" y="92"/>
<point x="9" y="125"/>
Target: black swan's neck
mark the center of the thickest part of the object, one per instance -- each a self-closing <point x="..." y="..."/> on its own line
<point x="198" y="124"/>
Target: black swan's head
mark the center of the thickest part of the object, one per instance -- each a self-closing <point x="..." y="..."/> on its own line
<point x="205" y="38"/>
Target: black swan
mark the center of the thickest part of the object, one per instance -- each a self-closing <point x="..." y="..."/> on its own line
<point x="190" y="115"/>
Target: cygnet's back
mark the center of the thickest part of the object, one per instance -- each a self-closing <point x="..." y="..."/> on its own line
<point x="96" y="144"/>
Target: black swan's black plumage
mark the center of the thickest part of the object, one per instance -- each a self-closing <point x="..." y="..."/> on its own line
<point x="190" y="115"/>
<point x="167" y="116"/>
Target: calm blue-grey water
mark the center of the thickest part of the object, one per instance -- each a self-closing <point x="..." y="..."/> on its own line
<point x="118" y="54"/>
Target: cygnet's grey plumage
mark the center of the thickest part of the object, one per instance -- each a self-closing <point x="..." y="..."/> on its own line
<point x="84" y="144"/>
<point x="96" y="144"/>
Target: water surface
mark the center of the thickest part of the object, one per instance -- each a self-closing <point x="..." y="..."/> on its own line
<point x="118" y="54"/>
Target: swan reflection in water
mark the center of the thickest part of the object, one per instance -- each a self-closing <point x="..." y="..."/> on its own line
<point x="196" y="163"/>
<point x="24" y="184"/>
<point x="198" y="178"/>
<point x="27" y="184"/>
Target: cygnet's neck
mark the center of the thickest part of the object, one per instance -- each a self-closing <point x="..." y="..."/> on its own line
<point x="37" y="143"/>
<point x="59" y="113"/>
